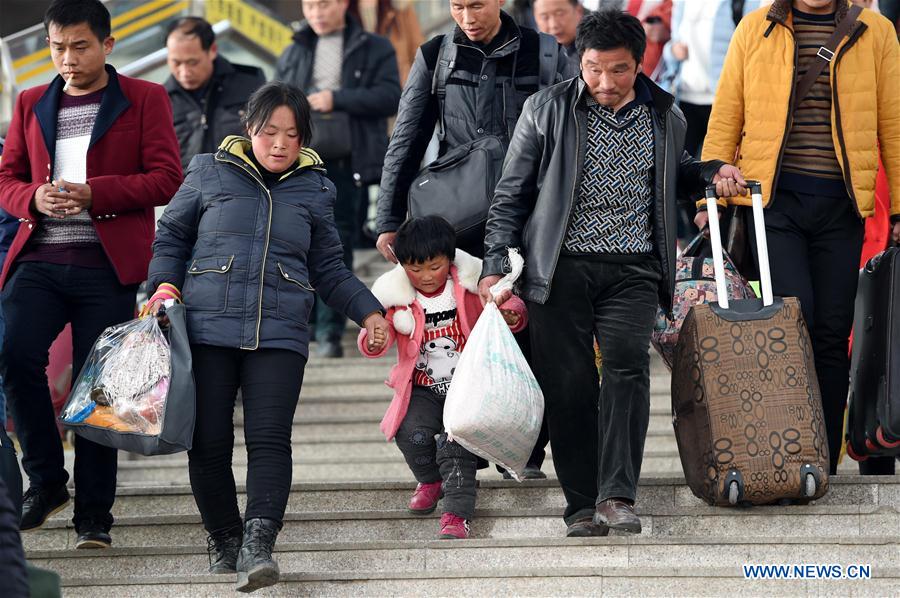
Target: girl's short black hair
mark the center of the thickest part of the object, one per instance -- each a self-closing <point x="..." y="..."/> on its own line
<point x="270" y="96"/>
<point x="65" y="13"/>
<point x="610" y="29"/>
<point x="422" y="239"/>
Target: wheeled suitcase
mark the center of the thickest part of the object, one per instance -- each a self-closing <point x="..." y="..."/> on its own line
<point x="746" y="405"/>
<point x="873" y="424"/>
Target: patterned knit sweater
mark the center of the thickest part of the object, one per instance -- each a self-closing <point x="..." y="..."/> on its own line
<point x="809" y="164"/>
<point x="73" y="239"/>
<point x="614" y="204"/>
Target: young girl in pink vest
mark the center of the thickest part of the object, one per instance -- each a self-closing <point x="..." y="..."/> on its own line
<point x="432" y="303"/>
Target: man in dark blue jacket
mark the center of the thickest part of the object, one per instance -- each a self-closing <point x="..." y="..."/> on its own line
<point x="353" y="85"/>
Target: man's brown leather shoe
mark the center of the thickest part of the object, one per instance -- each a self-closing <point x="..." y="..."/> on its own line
<point x="585" y="528"/>
<point x="617" y="514"/>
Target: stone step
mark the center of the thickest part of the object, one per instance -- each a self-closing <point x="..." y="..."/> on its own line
<point x="654" y="494"/>
<point x="843" y="521"/>
<point x="554" y="581"/>
<point x="372" y="408"/>
<point x="314" y="469"/>
<point x="350" y="386"/>
<point x="374" y="447"/>
<point x="402" y="559"/>
<point x="339" y="426"/>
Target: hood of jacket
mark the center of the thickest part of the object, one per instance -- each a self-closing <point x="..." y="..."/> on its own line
<point x="238" y="149"/>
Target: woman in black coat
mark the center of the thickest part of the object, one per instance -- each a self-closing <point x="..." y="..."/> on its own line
<point x="245" y="243"/>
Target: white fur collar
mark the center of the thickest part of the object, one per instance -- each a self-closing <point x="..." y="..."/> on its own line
<point x="393" y="288"/>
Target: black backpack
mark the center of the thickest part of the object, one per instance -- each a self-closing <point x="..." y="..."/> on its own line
<point x="459" y="185"/>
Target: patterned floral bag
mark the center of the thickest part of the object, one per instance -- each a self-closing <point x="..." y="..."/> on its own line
<point x="695" y="283"/>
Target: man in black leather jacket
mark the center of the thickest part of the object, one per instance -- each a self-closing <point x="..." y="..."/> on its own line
<point x="350" y="76"/>
<point x="208" y="93"/>
<point x="588" y="193"/>
<point x="490" y="46"/>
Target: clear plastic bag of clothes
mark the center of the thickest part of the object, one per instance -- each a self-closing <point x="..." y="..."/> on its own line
<point x="137" y="377"/>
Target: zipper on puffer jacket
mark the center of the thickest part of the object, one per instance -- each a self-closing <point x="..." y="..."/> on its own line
<point x="848" y="181"/>
<point x="262" y="272"/>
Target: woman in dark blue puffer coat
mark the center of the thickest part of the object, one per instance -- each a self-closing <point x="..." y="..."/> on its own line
<point x="246" y="242"/>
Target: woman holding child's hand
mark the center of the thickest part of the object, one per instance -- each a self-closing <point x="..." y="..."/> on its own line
<point x="249" y="240"/>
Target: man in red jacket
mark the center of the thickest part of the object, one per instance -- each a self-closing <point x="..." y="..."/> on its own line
<point x="86" y="159"/>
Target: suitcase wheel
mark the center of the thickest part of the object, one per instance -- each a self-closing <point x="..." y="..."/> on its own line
<point x="809" y="488"/>
<point x="734" y="493"/>
<point x="734" y="487"/>
<point x="812" y="480"/>
<point x="852" y="453"/>
<point x="879" y="435"/>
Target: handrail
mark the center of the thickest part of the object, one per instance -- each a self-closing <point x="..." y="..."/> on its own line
<point x="158" y="58"/>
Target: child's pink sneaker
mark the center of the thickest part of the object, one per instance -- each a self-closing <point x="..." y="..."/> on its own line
<point x="425" y="498"/>
<point x="453" y="527"/>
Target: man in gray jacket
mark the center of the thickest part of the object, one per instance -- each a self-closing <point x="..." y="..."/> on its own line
<point x="588" y="192"/>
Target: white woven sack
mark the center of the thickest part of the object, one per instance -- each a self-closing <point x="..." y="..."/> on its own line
<point x="494" y="406"/>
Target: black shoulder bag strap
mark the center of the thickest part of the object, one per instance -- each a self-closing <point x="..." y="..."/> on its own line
<point x="825" y="55"/>
<point x="442" y="71"/>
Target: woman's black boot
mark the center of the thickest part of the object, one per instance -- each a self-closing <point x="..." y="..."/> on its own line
<point x="223" y="547"/>
<point x="255" y="566"/>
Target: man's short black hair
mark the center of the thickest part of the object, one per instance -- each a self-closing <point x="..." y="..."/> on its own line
<point x="610" y="29"/>
<point x="193" y="26"/>
<point x="65" y="13"/>
<point x="421" y="239"/>
<point x="270" y="96"/>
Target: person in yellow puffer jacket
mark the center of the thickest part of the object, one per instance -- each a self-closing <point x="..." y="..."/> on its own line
<point x="817" y="159"/>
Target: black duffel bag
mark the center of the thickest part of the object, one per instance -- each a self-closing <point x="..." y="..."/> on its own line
<point x="459" y="186"/>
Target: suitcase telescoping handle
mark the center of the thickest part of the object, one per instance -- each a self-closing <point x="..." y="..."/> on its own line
<point x="762" y="247"/>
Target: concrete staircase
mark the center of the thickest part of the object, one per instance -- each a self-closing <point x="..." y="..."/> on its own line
<point x="347" y="531"/>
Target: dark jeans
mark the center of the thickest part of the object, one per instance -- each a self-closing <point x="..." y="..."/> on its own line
<point x="270" y="381"/>
<point x="330" y="324"/>
<point x="878" y="466"/>
<point x="597" y="435"/>
<point x="38" y="301"/>
<point x="432" y="458"/>
<point x="814" y="248"/>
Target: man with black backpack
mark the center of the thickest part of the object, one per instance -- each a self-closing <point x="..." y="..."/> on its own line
<point x="472" y="83"/>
